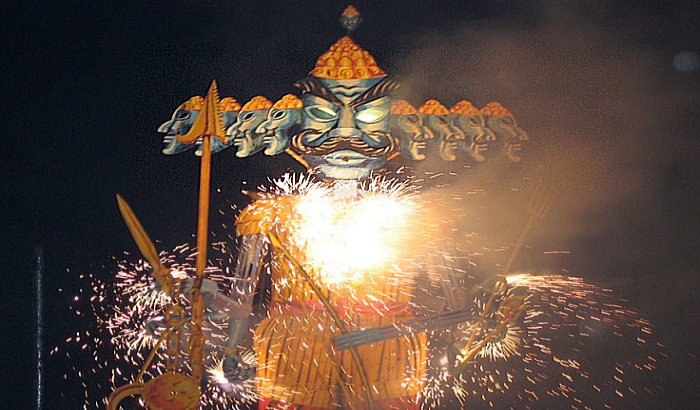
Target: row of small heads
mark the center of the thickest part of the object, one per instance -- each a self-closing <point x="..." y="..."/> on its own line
<point x="400" y="107"/>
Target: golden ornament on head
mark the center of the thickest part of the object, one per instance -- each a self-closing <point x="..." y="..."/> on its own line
<point x="402" y="107"/>
<point x="496" y="109"/>
<point x="466" y="108"/>
<point x="433" y="107"/>
<point x="257" y="103"/>
<point x="345" y="60"/>
<point x="229" y="104"/>
<point x="350" y="11"/>
<point x="193" y="104"/>
<point x="288" y="102"/>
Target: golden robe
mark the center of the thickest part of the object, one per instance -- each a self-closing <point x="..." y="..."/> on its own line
<point x="297" y="362"/>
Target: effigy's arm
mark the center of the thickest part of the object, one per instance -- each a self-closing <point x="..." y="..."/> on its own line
<point x="238" y="307"/>
<point x="253" y="246"/>
<point x="252" y="249"/>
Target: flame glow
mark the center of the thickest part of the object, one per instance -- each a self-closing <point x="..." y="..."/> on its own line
<point x="344" y="238"/>
<point x="543" y="360"/>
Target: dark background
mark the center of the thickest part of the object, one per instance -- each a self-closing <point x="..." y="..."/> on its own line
<point x="86" y="84"/>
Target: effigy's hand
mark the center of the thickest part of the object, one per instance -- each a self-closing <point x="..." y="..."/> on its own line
<point x="209" y="287"/>
<point x="457" y="340"/>
<point x="236" y="371"/>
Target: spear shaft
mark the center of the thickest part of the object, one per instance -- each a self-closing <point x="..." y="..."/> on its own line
<point x="203" y="216"/>
<point x="197" y="299"/>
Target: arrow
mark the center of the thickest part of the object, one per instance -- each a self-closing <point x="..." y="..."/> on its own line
<point x="209" y="122"/>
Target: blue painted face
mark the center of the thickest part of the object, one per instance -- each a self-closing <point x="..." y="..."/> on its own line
<point x="412" y="133"/>
<point x="449" y="136"/>
<point x="478" y="138"/>
<point x="243" y="132"/>
<point x="276" y="129"/>
<point x="345" y="127"/>
<point x="511" y="137"/>
<point x="180" y="123"/>
<point x="229" y="117"/>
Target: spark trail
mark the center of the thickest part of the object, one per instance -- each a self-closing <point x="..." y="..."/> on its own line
<point x="576" y="345"/>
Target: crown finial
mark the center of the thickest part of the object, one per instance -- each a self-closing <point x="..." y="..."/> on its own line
<point x="350" y="19"/>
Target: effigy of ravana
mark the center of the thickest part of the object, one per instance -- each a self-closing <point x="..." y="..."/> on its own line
<point x="344" y="246"/>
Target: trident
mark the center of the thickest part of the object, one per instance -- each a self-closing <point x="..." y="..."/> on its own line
<point x="208" y="125"/>
<point x="511" y="308"/>
<point x="539" y="206"/>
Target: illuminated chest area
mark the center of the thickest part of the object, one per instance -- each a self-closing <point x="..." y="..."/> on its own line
<point x="354" y="240"/>
<point x="345" y="238"/>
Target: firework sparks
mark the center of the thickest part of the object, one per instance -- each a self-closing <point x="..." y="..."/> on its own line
<point x="360" y="234"/>
<point x="126" y="310"/>
<point x="344" y="238"/>
<point x="545" y="361"/>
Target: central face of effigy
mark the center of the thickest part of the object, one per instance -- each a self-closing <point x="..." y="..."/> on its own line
<point x="345" y="121"/>
<point x="348" y="233"/>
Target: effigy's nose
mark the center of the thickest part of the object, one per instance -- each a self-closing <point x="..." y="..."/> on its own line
<point x="346" y="118"/>
<point x="165" y="127"/>
<point x="262" y="128"/>
<point x="454" y="137"/>
<point x="490" y="136"/>
<point x="346" y="132"/>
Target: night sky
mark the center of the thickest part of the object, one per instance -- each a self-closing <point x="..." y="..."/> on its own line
<point x="609" y="90"/>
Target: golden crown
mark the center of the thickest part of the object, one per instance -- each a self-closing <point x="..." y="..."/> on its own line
<point x="288" y="102"/>
<point x="464" y="107"/>
<point x="402" y="107"/>
<point x="229" y="104"/>
<point x="495" y="109"/>
<point x="193" y="104"/>
<point x="345" y="60"/>
<point x="433" y="107"/>
<point x="257" y="103"/>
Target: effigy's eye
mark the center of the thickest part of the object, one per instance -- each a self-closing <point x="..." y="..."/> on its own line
<point x="182" y="115"/>
<point x="323" y="114"/>
<point x="371" y="115"/>
<point x="412" y="119"/>
<point x="247" y="116"/>
<point x="278" y="115"/>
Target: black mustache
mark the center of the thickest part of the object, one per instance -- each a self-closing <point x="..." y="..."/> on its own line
<point x="343" y="143"/>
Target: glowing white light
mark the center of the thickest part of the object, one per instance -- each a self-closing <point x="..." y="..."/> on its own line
<point x="344" y="238"/>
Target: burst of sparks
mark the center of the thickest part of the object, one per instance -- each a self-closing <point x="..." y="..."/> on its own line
<point x="346" y="234"/>
<point x="344" y="238"/>
<point x="120" y="308"/>
<point x="546" y="361"/>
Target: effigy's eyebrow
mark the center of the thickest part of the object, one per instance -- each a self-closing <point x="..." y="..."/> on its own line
<point x="383" y="88"/>
<point x="313" y="86"/>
